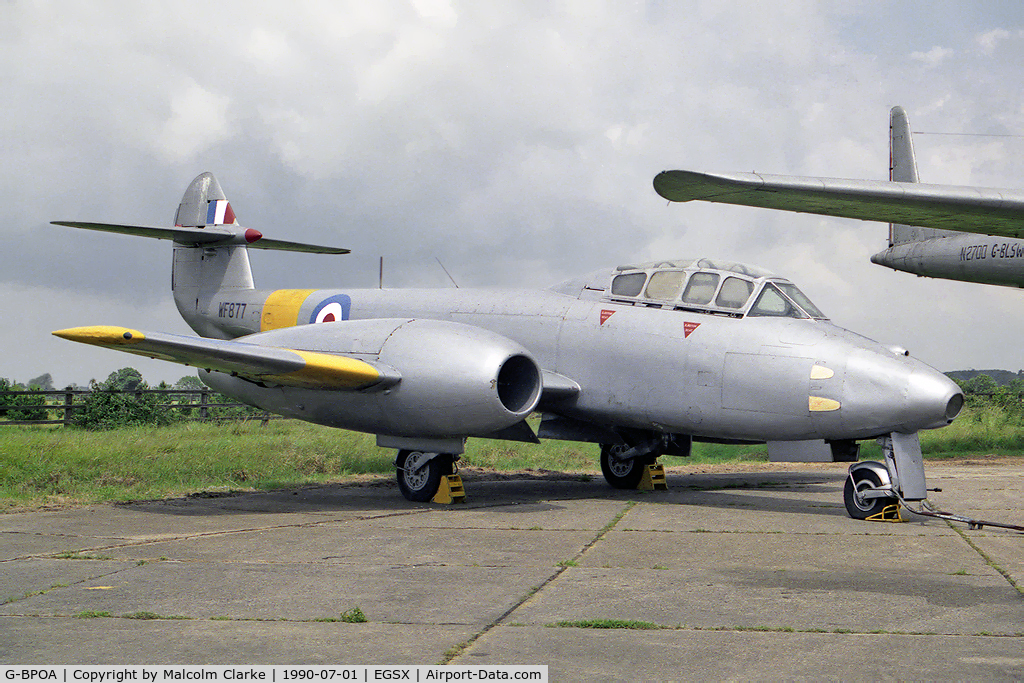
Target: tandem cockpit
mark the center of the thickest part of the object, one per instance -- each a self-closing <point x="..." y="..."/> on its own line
<point x="701" y="285"/>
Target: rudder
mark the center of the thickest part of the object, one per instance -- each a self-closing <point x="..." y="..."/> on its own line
<point x="204" y="203"/>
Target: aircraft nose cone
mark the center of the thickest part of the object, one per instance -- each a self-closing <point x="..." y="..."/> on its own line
<point x="933" y="400"/>
<point x="889" y="393"/>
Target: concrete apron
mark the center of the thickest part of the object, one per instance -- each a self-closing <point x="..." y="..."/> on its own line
<point x="729" y="574"/>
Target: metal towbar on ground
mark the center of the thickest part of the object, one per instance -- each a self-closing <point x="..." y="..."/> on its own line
<point x="928" y="511"/>
<point x="872" y="488"/>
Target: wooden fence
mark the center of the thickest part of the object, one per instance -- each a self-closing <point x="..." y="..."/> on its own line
<point x="59" y="406"/>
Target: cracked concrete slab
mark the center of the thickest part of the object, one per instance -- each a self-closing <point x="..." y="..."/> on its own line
<point x="578" y="654"/>
<point x="755" y="571"/>
<point x="349" y="543"/>
<point x="22" y="579"/>
<point x="295" y="592"/>
<point x="131" y="641"/>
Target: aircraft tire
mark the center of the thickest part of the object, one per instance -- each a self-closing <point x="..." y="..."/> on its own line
<point x="622" y="474"/>
<point x="419" y="482"/>
<point x="862" y="509"/>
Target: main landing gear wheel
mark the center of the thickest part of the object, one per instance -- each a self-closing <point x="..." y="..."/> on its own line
<point x="622" y="474"/>
<point x="857" y="506"/>
<point x="419" y="474"/>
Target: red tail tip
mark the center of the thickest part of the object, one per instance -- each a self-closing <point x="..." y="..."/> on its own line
<point x="253" y="235"/>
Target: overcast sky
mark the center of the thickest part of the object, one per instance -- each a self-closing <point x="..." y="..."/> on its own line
<point x="514" y="141"/>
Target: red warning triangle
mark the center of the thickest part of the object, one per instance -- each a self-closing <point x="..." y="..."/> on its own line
<point x="688" y="328"/>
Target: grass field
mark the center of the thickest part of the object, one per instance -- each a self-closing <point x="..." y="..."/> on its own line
<point x="46" y="466"/>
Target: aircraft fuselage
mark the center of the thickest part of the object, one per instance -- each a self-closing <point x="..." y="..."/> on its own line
<point x="960" y="256"/>
<point x="638" y="366"/>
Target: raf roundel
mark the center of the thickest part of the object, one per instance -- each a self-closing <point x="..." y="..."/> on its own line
<point x="332" y="309"/>
<point x="329" y="313"/>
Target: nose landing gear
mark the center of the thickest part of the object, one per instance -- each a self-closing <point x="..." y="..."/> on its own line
<point x="872" y="488"/>
<point x="865" y="495"/>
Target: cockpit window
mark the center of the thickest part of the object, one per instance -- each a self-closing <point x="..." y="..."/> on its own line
<point x="700" y="286"/>
<point x="700" y="289"/>
<point x="801" y="299"/>
<point x="628" y="284"/>
<point x="734" y="293"/>
<point x="665" y="284"/>
<point x="772" y="303"/>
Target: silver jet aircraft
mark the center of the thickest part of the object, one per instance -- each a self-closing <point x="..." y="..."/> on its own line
<point x="933" y="228"/>
<point x="643" y="359"/>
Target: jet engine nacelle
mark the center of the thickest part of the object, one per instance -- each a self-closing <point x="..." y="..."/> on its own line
<point x="456" y="380"/>
<point x="453" y="380"/>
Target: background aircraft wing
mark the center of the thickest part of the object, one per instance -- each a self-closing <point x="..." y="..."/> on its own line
<point x="287" y="367"/>
<point x="949" y="207"/>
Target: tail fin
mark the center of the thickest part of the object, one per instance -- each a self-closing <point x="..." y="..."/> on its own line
<point x="902" y="161"/>
<point x="903" y="169"/>
<point x="200" y="272"/>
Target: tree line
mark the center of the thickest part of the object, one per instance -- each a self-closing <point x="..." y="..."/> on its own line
<point x="983" y="390"/>
<point x="118" y="401"/>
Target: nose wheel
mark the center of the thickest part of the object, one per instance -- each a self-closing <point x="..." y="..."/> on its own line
<point x="856" y="495"/>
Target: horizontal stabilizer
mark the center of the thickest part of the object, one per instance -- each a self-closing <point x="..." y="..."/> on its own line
<point x="281" y="245"/>
<point x="286" y="367"/>
<point x="213" y="235"/>
<point x="948" y="207"/>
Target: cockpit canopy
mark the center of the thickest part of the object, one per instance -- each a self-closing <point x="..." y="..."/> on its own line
<point x="710" y="286"/>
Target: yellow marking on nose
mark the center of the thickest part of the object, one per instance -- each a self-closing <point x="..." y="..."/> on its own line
<point x="281" y="309"/>
<point x="821" y="372"/>
<point x="816" y="404"/>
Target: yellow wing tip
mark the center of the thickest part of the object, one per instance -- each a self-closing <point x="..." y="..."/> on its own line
<point x="101" y="335"/>
<point x="338" y="371"/>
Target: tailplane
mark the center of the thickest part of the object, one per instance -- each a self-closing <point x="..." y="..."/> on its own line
<point x="205" y="218"/>
<point x="211" y="258"/>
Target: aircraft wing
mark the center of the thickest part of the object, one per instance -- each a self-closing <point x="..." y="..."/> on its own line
<point x="287" y="367"/>
<point x="949" y="207"/>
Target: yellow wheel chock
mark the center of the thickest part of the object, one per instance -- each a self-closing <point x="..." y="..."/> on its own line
<point x="890" y="513"/>
<point x="653" y="479"/>
<point x="450" y="490"/>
